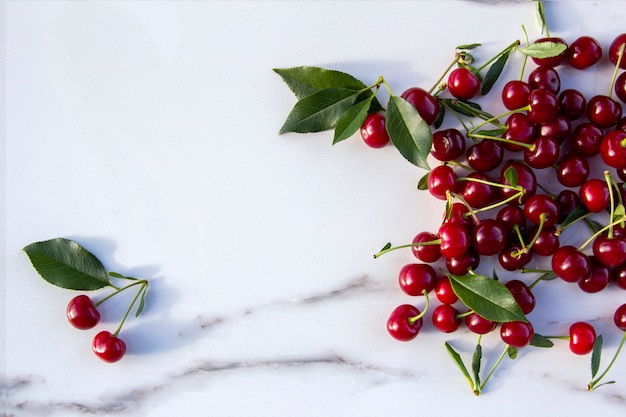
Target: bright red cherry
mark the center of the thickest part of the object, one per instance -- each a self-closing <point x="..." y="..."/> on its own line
<point x="426" y="105"/>
<point x="614" y="50"/>
<point x="583" y="52"/>
<point x="404" y="322"/>
<point x="445" y="318"/>
<point x="522" y="294"/>
<point x="582" y="336"/>
<point x="517" y="333"/>
<point x="108" y="347"/>
<point x="613" y="149"/>
<point x="82" y="313"/>
<point x="541" y="206"/>
<point x="415" y="279"/>
<point x="455" y="239"/>
<point x="543" y="154"/>
<point x="462" y="84"/>
<point x="373" y="131"/>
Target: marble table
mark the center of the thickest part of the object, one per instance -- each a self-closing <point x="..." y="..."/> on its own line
<point x="148" y="132"/>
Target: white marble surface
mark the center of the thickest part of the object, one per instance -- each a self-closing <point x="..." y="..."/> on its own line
<point x="147" y="131"/>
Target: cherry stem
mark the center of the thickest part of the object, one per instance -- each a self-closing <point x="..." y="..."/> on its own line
<point x="594" y="383"/>
<point x="615" y="71"/>
<point x="408" y="245"/>
<point x="493" y="369"/>
<point x="498" y="55"/>
<point x="413" y="319"/>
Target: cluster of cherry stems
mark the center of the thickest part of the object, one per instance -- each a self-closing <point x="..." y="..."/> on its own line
<point x="547" y="129"/>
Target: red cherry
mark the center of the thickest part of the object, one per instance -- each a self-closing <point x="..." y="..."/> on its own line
<point x="477" y="194"/>
<point x="519" y="129"/>
<point x="573" y="170"/>
<point x="620" y="86"/>
<point x="543" y="154"/>
<point x="462" y="84"/>
<point x="546" y="242"/>
<point x="426" y="105"/>
<point x="489" y="237"/>
<point x="522" y="294"/>
<point x="613" y="149"/>
<point x="545" y="78"/>
<point x="544" y="106"/>
<point x="403" y="323"/>
<point x="517" y="333"/>
<point x="81" y="313"/>
<point x="461" y="265"/>
<point x="585" y="140"/>
<point x="572" y="104"/>
<point x="598" y="279"/>
<point x="604" y="111"/>
<point x="107" y="347"/>
<point x="373" y="131"/>
<point x="583" y="52"/>
<point x="415" y="279"/>
<point x="445" y="318"/>
<point x="484" y="155"/>
<point x="526" y="179"/>
<point x="541" y="205"/>
<point x="614" y="50"/>
<point x="582" y="337"/>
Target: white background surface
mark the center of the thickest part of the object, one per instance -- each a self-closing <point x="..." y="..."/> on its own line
<point x="147" y="131"/>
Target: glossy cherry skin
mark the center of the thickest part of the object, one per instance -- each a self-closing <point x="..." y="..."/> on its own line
<point x="570" y="264"/>
<point x="604" y="111"/>
<point x="598" y="279"/>
<point x="462" y="84"/>
<point x="479" y="325"/>
<point x="415" y="279"/>
<point x="455" y="240"/>
<point x="543" y="154"/>
<point x="108" y="347"/>
<point x="620" y="86"/>
<point x="448" y="145"/>
<point x="541" y="205"/>
<point x="81" y="313"/>
<point x="583" y="52"/>
<point x="585" y="140"/>
<point x="444" y="292"/>
<point x="441" y="179"/>
<point x="555" y="60"/>
<point x="614" y="50"/>
<point x="517" y="333"/>
<point x="573" y="170"/>
<point x="477" y="194"/>
<point x="613" y="149"/>
<point x="609" y="251"/>
<point x="445" y="318"/>
<point x="572" y="104"/>
<point x="427" y="251"/>
<point x="522" y="294"/>
<point x="619" y="318"/>
<point x="426" y="105"/>
<point x="526" y="179"/>
<point x="544" y="106"/>
<point x="582" y="336"/>
<point x="374" y="132"/>
<point x="484" y="155"/>
<point x="489" y="237"/>
<point x="402" y="324"/>
<point x="545" y="78"/>
<point x="594" y="193"/>
<point x="516" y="94"/>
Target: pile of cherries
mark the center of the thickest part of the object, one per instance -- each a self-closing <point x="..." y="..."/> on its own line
<point x="500" y="181"/>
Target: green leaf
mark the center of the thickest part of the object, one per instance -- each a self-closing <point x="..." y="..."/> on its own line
<point x="488" y="298"/>
<point x="510" y="174"/>
<point x="319" y="111"/>
<point x="351" y="120"/>
<point x="596" y="356"/>
<point x="409" y="132"/>
<point x="459" y="362"/>
<point x="494" y="73"/>
<point x="541" y="341"/>
<point x="422" y="184"/>
<point x="66" y="264"/>
<point x="306" y="80"/>
<point x="476" y="362"/>
<point x="512" y="352"/>
<point x="543" y="49"/>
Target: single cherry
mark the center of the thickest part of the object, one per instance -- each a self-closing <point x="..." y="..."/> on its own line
<point x="522" y="294"/>
<point x="541" y="206"/>
<point x="598" y="279"/>
<point x="455" y="240"/>
<point x="485" y="155"/>
<point x="82" y="313"/>
<point x="544" y="106"/>
<point x="613" y="149"/>
<point x="461" y="265"/>
<point x="477" y="193"/>
<point x="546" y="78"/>
<point x="594" y="193"/>
<point x="585" y="139"/>
<point x="489" y="237"/>
<point x="516" y="94"/>
<point x="620" y="86"/>
<point x="609" y="251"/>
<point x="614" y="50"/>
<point x="519" y="129"/>
<point x="572" y="170"/>
<point x="619" y="318"/>
<point x="543" y="154"/>
<point x="554" y="60"/>
<point x="604" y="111"/>
<point x="546" y="241"/>
<point x="108" y="347"/>
<point x="444" y="291"/>
<point x="572" y="104"/>
<point x="427" y="251"/>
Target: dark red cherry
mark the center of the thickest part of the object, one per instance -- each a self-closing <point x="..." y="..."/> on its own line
<point x="461" y="265"/>
<point x="567" y="200"/>
<point x="620" y="88"/>
<point x="441" y="180"/>
<point x="519" y="129"/>
<point x="594" y="193"/>
<point x="455" y="240"/>
<point x="541" y="206"/>
<point x="108" y="347"/>
<point x="512" y="257"/>
<point x="609" y="251"/>
<point x="459" y="213"/>
<point x="428" y="249"/>
<point x="478" y="324"/>
<point x="559" y="128"/>
<point x="618" y="276"/>
<point x="444" y="291"/>
<point x="426" y="105"/>
<point x="484" y="155"/>
<point x="619" y="318"/>
<point x="546" y="242"/>
<point x="489" y="237"/>
<point x="583" y="52"/>
<point x="570" y="264"/>
<point x="522" y="294"/>
<point x="543" y="154"/>
<point x="81" y="312"/>
<point x="479" y="193"/>
<point x="598" y="279"/>
<point x="511" y="216"/>
<point x="526" y="179"/>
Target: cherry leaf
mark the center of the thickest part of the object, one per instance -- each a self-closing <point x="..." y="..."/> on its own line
<point x="66" y="264"/>
<point x="319" y="111"/>
<point x="409" y="132"/>
<point x="487" y="297"/>
<point x="351" y="120"/>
